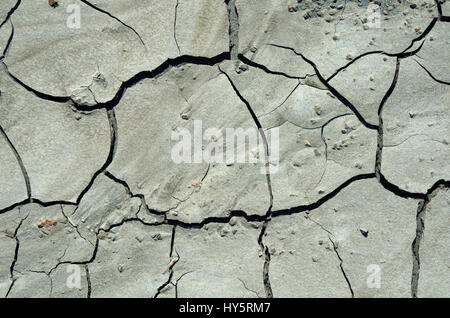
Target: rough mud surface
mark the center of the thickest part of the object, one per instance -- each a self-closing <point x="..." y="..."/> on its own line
<point x="358" y="205"/>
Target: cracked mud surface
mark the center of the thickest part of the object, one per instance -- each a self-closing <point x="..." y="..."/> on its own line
<point x="87" y="178"/>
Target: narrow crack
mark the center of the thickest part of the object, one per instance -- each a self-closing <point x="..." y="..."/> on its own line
<point x="431" y="75"/>
<point x="342" y="267"/>
<point x="332" y="90"/>
<point x="403" y="54"/>
<point x="115" y="18"/>
<point x="88" y="281"/>
<point x="335" y="248"/>
<point x="266" y="271"/>
<point x="19" y="161"/>
<point x="250" y="290"/>
<point x="49" y="278"/>
<point x="283" y="102"/>
<point x="419" y="38"/>
<point x="379" y="154"/>
<point x="132" y="195"/>
<point x="177" y="281"/>
<point x="380" y="140"/>
<point x="342" y="15"/>
<point x="412" y="136"/>
<point x="51" y="285"/>
<point x="267" y="218"/>
<point x="114" y="133"/>
<point x="16" y="255"/>
<point x="400" y="55"/>
<point x="41" y="95"/>
<point x="8" y="43"/>
<point x="308" y="217"/>
<point x="264" y="68"/>
<point x="169" y="280"/>
<point x="175" y="27"/>
<point x="351" y="62"/>
<point x="89" y="261"/>
<point x="324" y="140"/>
<point x="324" y="199"/>
<point x="323" y="128"/>
<point x="73" y="224"/>
<point x="10" y="13"/>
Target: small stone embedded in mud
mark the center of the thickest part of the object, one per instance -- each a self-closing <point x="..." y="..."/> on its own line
<point x="157" y="237"/>
<point x="317" y="109"/>
<point x="53" y="3"/>
<point x="364" y="232"/>
<point x="243" y="67"/>
<point x="9" y="234"/>
<point x="47" y="223"/>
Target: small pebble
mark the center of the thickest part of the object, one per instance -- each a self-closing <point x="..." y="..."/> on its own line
<point x="243" y="67"/>
<point x="157" y="237"/>
<point x="364" y="232"/>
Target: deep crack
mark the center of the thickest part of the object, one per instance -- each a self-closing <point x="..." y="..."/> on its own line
<point x="420" y="229"/>
<point x="233" y="19"/>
